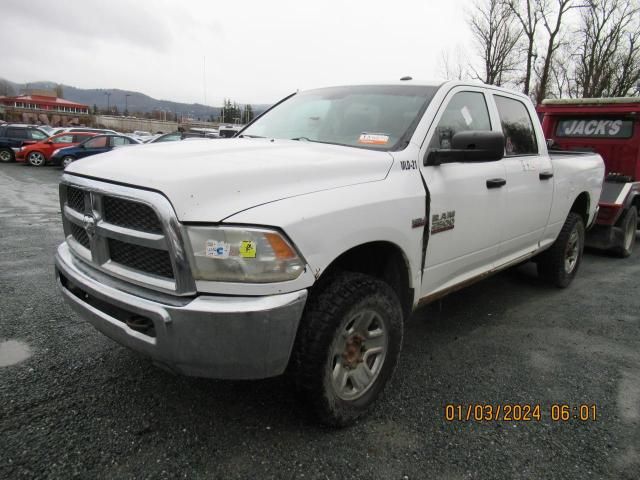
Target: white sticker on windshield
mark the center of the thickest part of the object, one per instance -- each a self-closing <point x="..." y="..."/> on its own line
<point x="467" y="115"/>
<point x="374" y="138"/>
<point x="217" y="249"/>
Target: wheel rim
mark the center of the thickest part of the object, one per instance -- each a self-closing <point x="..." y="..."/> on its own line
<point x="66" y="161"/>
<point x="5" y="155"/>
<point x="36" y="158"/>
<point x="572" y="252"/>
<point x="630" y="235"/>
<point x="357" y="354"/>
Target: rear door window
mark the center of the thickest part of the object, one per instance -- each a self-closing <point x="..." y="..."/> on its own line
<point x="37" y="134"/>
<point x="98" y="142"/>
<point x="117" y="141"/>
<point x="17" y="133"/>
<point x="517" y="127"/>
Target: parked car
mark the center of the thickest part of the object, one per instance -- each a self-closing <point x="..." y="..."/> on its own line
<point x="15" y="136"/>
<point x="92" y="146"/>
<point x="38" y="154"/>
<point x="90" y="130"/>
<point x="304" y="244"/>
<point x="174" y="136"/>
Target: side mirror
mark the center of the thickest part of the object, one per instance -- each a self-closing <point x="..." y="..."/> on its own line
<point x="469" y="146"/>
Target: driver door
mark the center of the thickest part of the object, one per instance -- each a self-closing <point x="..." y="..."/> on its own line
<point x="467" y="201"/>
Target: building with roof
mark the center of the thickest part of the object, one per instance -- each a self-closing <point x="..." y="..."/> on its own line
<point x="43" y="107"/>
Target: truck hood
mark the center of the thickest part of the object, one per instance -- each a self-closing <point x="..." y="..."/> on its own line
<point x="209" y="180"/>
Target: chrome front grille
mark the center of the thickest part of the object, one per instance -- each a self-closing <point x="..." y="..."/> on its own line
<point x="130" y="215"/>
<point x="129" y="233"/>
<point x="148" y="260"/>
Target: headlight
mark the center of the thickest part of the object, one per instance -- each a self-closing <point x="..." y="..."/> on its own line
<point x="55" y="152"/>
<point x="239" y="254"/>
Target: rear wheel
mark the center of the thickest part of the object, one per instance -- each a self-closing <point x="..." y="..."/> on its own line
<point x="6" y="155"/>
<point x="36" y="159"/>
<point x="66" y="161"/>
<point x="559" y="264"/>
<point x="347" y="346"/>
<point x="629" y="226"/>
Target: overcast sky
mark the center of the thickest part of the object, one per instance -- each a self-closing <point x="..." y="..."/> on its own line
<point x="255" y="50"/>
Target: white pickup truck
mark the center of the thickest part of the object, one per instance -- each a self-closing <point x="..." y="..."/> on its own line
<point x="303" y="244"/>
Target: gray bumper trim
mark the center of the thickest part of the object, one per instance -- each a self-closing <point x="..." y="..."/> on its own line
<point x="210" y="336"/>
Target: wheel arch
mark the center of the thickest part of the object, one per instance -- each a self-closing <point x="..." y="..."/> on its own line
<point x="581" y="205"/>
<point x="380" y="259"/>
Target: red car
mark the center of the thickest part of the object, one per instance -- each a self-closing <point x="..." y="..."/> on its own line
<point x="38" y="154"/>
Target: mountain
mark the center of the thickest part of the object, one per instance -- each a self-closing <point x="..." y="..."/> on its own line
<point x="135" y="102"/>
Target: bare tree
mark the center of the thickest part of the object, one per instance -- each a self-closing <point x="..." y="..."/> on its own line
<point x="552" y="21"/>
<point x="454" y="65"/>
<point x="528" y="13"/>
<point x="496" y="33"/>
<point x="608" y="57"/>
<point x="6" y="89"/>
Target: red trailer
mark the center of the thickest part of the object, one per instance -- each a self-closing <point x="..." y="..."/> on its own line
<point x="611" y="127"/>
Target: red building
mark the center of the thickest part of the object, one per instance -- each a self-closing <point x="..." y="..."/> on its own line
<point x="43" y="108"/>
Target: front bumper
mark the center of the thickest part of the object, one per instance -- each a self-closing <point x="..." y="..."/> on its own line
<point x="206" y="336"/>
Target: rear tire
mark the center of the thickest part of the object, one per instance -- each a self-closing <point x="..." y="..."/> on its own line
<point x="6" y="155"/>
<point x="559" y="264"/>
<point x="36" y="159"/>
<point x="629" y="226"/>
<point x="347" y="346"/>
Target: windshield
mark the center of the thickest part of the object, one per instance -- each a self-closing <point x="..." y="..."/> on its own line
<point x="381" y="117"/>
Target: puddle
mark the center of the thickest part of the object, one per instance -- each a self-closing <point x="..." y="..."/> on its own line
<point x="12" y="352"/>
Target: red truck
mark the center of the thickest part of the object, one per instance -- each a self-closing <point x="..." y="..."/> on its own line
<point x="610" y="127"/>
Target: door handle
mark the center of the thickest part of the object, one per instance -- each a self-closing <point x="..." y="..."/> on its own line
<point x="545" y="175"/>
<point x="496" y="182"/>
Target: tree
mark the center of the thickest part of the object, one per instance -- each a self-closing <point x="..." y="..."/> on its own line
<point x="552" y="21"/>
<point x="496" y="32"/>
<point x="231" y="112"/>
<point x="59" y="91"/>
<point x="6" y="89"/>
<point x="608" y="56"/>
<point x="528" y="14"/>
<point x="247" y="114"/>
<point x="94" y="110"/>
<point x="455" y="68"/>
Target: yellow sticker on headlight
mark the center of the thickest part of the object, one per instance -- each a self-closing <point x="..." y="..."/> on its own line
<point x="248" y="249"/>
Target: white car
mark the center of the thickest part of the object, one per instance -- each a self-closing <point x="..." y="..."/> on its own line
<point x="306" y="242"/>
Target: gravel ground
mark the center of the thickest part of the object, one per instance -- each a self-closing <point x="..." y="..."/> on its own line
<point x="81" y="405"/>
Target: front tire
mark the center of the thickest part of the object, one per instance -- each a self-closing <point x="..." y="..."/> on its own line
<point x="6" y="155"/>
<point x="347" y="346"/>
<point x="36" y="159"/>
<point x="559" y="264"/>
<point x="66" y="161"/>
<point x="629" y="226"/>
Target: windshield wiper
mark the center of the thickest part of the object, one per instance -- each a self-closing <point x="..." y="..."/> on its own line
<point x="250" y="136"/>
<point x="306" y="139"/>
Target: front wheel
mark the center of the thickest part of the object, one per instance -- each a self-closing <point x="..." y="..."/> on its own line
<point x="347" y="346"/>
<point x="66" y="161"/>
<point x="6" y="155"/>
<point x="559" y="264"/>
<point x="629" y="227"/>
<point x="36" y="159"/>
